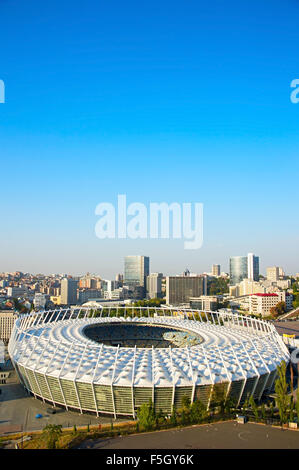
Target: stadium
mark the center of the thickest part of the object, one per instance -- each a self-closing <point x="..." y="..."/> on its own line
<point x="112" y="360"/>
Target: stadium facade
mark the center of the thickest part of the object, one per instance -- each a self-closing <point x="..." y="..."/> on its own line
<point x="112" y="361"/>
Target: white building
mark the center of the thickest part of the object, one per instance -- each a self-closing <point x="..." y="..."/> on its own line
<point x="7" y="320"/>
<point x="261" y="304"/>
<point x="247" y="287"/>
<point x="204" y="302"/>
<point x="39" y="300"/>
<point x="273" y="273"/>
<point x="116" y="294"/>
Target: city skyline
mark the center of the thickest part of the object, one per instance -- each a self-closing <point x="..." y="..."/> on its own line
<point x="165" y="273"/>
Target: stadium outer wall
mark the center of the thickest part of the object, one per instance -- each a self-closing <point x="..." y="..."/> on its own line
<point x="58" y="364"/>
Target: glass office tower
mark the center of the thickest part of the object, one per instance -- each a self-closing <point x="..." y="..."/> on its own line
<point x="136" y="271"/>
<point x="253" y="267"/>
<point x="238" y="268"/>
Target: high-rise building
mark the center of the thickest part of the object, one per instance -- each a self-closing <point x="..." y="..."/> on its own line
<point x="253" y="264"/>
<point x="216" y="270"/>
<point x="244" y="267"/>
<point x="69" y="291"/>
<point x="154" y="285"/>
<point x="273" y="273"/>
<point x="237" y="269"/>
<point x="136" y="271"/>
<point x="179" y="289"/>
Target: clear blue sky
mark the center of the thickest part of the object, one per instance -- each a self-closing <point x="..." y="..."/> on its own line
<point x="162" y="101"/>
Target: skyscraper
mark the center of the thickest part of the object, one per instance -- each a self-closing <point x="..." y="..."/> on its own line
<point x="69" y="291"/>
<point x="253" y="271"/>
<point x="243" y="267"/>
<point x="237" y="269"/>
<point x="136" y="271"/>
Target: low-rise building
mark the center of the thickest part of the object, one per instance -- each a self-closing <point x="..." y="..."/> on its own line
<point x="204" y="302"/>
<point x="17" y="291"/>
<point x="261" y="304"/>
<point x="87" y="294"/>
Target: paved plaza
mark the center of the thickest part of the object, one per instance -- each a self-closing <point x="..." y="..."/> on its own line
<point x="18" y="411"/>
<point x="228" y="435"/>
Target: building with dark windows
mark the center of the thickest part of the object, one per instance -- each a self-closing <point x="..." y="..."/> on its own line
<point x="136" y="271"/>
<point x="179" y="289"/>
<point x="253" y="267"/>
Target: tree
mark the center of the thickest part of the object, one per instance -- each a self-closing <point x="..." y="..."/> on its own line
<point x="160" y="417"/>
<point x="52" y="433"/>
<point x="263" y="411"/>
<point x="279" y="309"/>
<point x="292" y="377"/>
<point x="254" y="407"/>
<point x="246" y="404"/>
<point x="296" y="300"/>
<point x="230" y="403"/>
<point x="219" y="396"/>
<point x="271" y="409"/>
<point x="184" y="411"/>
<point x="281" y="390"/>
<point x="198" y="412"/>
<point x="173" y="417"/>
<point x="218" y="286"/>
<point x="146" y="415"/>
<point x="292" y="409"/>
<point x="297" y="402"/>
<point x="186" y="402"/>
